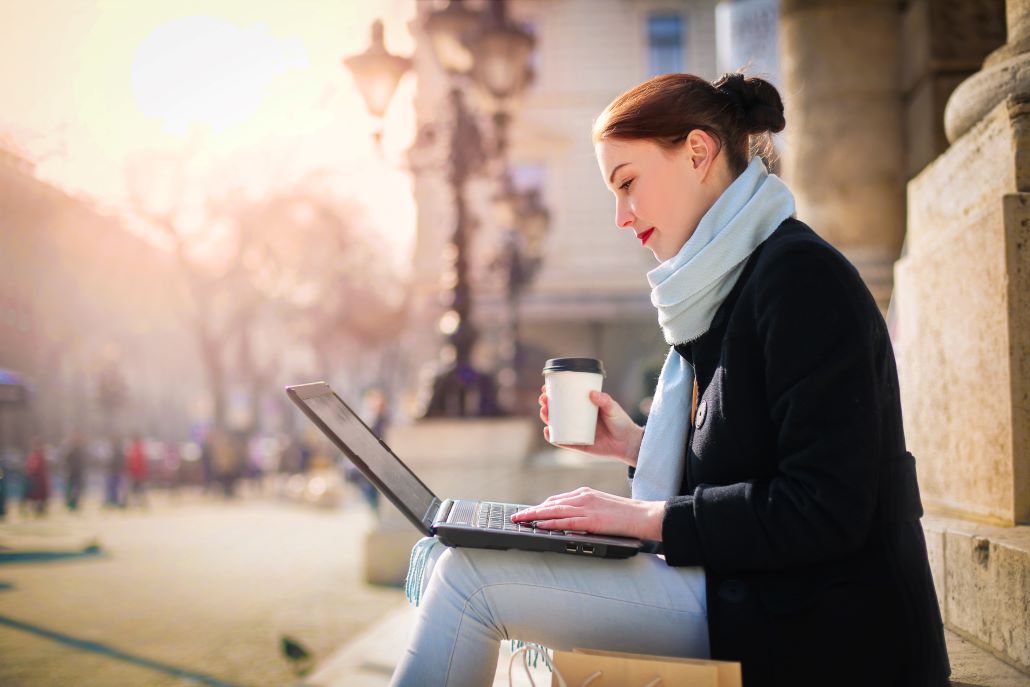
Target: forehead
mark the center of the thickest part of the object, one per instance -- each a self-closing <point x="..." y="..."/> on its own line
<point x="613" y="152"/>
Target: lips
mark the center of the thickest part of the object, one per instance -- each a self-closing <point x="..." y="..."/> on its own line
<point x="645" y="236"/>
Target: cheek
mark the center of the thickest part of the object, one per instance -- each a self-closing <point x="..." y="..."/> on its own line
<point x="687" y="207"/>
<point x="666" y="206"/>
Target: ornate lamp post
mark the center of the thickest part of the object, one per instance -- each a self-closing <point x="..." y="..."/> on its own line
<point x="522" y="255"/>
<point x="377" y="74"/>
<point x="495" y="55"/>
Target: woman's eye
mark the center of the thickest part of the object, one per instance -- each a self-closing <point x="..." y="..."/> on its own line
<point x="625" y="184"/>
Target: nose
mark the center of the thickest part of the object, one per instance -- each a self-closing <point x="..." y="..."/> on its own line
<point x="624" y="217"/>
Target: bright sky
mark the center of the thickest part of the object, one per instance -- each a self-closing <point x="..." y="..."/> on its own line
<point x="252" y="91"/>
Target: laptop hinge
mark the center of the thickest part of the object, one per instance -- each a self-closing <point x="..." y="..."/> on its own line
<point x="445" y="511"/>
<point x="437" y="512"/>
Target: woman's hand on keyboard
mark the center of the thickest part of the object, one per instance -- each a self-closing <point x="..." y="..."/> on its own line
<point x="617" y="436"/>
<point x="597" y="512"/>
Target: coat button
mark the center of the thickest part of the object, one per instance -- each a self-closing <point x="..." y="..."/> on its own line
<point x="702" y="412"/>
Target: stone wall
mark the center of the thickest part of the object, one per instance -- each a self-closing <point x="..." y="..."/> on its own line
<point x="964" y="333"/>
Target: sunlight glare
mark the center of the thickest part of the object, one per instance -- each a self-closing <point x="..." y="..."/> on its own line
<point x="206" y="70"/>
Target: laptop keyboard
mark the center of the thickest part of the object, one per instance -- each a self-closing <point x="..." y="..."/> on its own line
<point x="497" y="516"/>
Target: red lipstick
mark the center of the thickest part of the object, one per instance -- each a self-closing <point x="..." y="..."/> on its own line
<point x="645" y="236"/>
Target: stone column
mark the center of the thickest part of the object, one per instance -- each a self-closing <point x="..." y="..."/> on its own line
<point x="844" y="156"/>
<point x="1006" y="72"/>
<point x="945" y="42"/>
<point x="963" y="297"/>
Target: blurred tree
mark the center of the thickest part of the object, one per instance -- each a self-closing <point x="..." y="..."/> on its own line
<point x="335" y="289"/>
<point x="295" y="267"/>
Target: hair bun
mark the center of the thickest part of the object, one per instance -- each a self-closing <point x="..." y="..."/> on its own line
<point x="758" y="100"/>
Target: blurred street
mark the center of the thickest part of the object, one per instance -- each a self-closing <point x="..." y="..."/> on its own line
<point x="192" y="590"/>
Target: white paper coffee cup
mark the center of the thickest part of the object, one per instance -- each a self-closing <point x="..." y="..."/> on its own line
<point x="572" y="418"/>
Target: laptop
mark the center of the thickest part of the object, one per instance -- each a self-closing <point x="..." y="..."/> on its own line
<point x="455" y="522"/>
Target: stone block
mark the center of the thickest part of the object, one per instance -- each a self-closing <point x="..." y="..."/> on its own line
<point x="450" y="441"/>
<point x="387" y="551"/>
<point x="952" y="348"/>
<point x="986" y="584"/>
<point x="945" y="194"/>
<point x="963" y="328"/>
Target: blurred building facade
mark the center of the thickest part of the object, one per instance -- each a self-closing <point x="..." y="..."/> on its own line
<point x="590" y="296"/>
<point x="89" y="318"/>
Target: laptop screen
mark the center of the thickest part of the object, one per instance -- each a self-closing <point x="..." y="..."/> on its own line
<point x="367" y="448"/>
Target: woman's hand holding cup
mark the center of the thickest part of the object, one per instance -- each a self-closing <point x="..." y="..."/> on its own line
<point x="578" y="387"/>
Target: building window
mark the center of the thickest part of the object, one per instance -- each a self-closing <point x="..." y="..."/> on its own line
<point x="664" y="44"/>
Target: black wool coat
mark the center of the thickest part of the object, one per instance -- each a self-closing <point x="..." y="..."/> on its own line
<point x="799" y="497"/>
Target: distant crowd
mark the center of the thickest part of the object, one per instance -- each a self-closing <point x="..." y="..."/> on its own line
<point x="122" y="470"/>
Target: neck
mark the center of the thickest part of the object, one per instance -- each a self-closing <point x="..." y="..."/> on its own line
<point x="719" y="179"/>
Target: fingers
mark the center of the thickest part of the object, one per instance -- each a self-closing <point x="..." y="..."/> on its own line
<point x="604" y="402"/>
<point x="581" y="524"/>
<point x="609" y="407"/>
<point x="557" y="505"/>
<point x="546" y="512"/>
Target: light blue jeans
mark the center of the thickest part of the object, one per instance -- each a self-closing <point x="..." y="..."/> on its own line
<point x="472" y="599"/>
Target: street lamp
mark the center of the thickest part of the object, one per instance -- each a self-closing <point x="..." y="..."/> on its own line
<point x="377" y="74"/>
<point x="520" y="258"/>
<point x="495" y="54"/>
<point x="500" y="55"/>
<point x="449" y="30"/>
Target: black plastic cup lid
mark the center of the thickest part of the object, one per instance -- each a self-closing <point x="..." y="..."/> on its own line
<point x="574" y="365"/>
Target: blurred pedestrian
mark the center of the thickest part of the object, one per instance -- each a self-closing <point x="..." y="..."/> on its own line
<point x="38" y="475"/>
<point x="136" y="469"/>
<point x="225" y="460"/>
<point x="113" y="477"/>
<point x="207" y="460"/>
<point x="171" y="467"/>
<point x="5" y="479"/>
<point x="74" y="471"/>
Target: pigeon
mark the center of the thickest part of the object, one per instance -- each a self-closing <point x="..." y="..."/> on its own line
<point x="295" y="652"/>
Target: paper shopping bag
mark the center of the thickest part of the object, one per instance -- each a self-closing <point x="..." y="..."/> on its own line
<point x="616" y="669"/>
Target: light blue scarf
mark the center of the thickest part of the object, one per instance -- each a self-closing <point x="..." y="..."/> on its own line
<point x="687" y="290"/>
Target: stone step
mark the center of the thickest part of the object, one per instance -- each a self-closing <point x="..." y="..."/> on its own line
<point x="982" y="577"/>
<point x="972" y="666"/>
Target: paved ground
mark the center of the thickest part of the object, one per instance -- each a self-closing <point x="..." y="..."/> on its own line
<point x="194" y="592"/>
<point x="201" y="592"/>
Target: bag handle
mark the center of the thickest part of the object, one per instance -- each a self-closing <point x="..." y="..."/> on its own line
<point x="524" y="652"/>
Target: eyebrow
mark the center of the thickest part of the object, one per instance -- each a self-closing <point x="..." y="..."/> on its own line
<point x="611" y="177"/>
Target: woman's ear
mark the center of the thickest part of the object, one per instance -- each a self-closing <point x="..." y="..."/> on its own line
<point x="701" y="148"/>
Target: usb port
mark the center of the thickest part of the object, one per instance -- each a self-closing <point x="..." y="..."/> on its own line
<point x="588" y="549"/>
<point x="571" y="548"/>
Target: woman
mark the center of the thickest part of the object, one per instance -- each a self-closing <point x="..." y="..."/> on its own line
<point x="773" y="468"/>
<point x="37" y="472"/>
